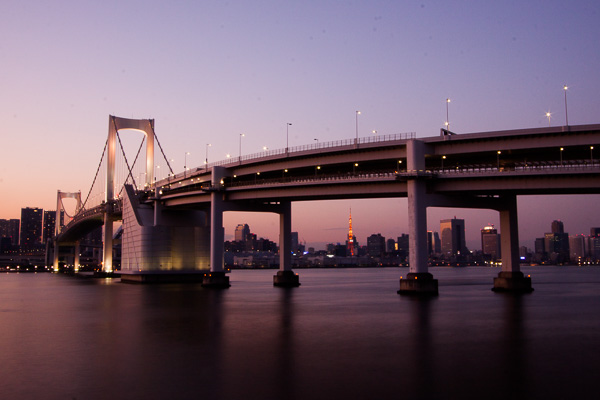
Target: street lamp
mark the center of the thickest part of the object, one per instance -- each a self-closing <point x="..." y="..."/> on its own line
<point x="357" y="114"/>
<point x="443" y="158"/>
<point x="592" y="155"/>
<point x="548" y="115"/>
<point x="498" y="158"/>
<point x="354" y="168"/>
<point x="241" y="136"/>
<point x="561" y="151"/>
<point x="206" y="159"/>
<point x="447" y="119"/>
<point x="187" y="153"/>
<point x="565" y="87"/>
<point x="287" y="136"/>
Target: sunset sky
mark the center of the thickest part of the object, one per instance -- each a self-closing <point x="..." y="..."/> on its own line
<point x="207" y="71"/>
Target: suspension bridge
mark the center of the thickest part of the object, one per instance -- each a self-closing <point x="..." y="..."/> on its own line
<point x="172" y="227"/>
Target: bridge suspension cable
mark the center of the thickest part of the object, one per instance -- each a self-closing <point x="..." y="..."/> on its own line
<point x="129" y="168"/>
<point x="95" y="176"/>
<point x="162" y="151"/>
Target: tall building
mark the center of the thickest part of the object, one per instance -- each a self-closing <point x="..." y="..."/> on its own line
<point x="49" y="225"/>
<point x="403" y="245"/>
<point x="390" y="245"/>
<point x="490" y="242"/>
<point x="577" y="248"/>
<point x="557" y="247"/>
<point x="376" y="245"/>
<point x="557" y="227"/>
<point x="433" y="243"/>
<point x="295" y="244"/>
<point x="453" y="236"/>
<point x="241" y="232"/>
<point x="9" y="229"/>
<point x="31" y="227"/>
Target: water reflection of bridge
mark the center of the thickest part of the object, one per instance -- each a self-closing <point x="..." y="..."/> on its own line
<point x="173" y="227"/>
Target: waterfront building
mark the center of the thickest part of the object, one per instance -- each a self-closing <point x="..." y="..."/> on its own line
<point x="9" y="229"/>
<point x="453" y="237"/>
<point x="31" y="227"/>
<point x="241" y="232"/>
<point x="403" y="245"/>
<point x="577" y="248"/>
<point x="391" y="246"/>
<point x="295" y="243"/>
<point x="49" y="225"/>
<point x="557" y="227"/>
<point x="490" y="242"/>
<point x="375" y="245"/>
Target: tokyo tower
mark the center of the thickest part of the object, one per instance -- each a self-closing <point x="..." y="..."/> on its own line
<point x="350" y="236"/>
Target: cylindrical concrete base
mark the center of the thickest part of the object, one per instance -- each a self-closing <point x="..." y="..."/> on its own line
<point x="514" y="282"/>
<point x="421" y="284"/>
<point x="286" y="279"/>
<point x="217" y="280"/>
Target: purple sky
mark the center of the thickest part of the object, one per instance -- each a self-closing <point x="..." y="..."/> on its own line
<point x="208" y="71"/>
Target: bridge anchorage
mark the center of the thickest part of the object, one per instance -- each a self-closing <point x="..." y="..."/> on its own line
<point x="172" y="228"/>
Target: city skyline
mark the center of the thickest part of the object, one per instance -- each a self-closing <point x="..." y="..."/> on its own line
<point x="209" y="73"/>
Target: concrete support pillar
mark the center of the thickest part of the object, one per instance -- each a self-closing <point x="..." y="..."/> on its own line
<point x="285" y="276"/>
<point x="511" y="279"/>
<point x="107" y="265"/>
<point x="418" y="280"/>
<point x="216" y="278"/>
<point x="55" y="256"/>
<point x="76" y="261"/>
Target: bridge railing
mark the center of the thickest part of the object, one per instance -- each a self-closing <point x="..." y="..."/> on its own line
<point x="549" y="166"/>
<point x="313" y="146"/>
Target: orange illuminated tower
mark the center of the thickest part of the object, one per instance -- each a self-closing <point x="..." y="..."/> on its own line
<point x="350" y="236"/>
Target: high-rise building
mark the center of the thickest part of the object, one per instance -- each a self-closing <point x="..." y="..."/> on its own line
<point x="433" y="243"/>
<point x="9" y="229"/>
<point x="390" y="245"/>
<point x="241" y="232"/>
<point x="557" y="247"/>
<point x="557" y="227"/>
<point x="453" y="236"/>
<point x="594" y="232"/>
<point x="403" y="245"/>
<point x="577" y="248"/>
<point x="490" y="242"/>
<point x="540" y="247"/>
<point x="295" y="242"/>
<point x="376" y="245"/>
<point x="594" y="248"/>
<point x="31" y="227"/>
<point x="49" y="225"/>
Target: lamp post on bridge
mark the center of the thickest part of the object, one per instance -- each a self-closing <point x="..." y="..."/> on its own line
<point x="498" y="159"/>
<point x="357" y="114"/>
<point x="447" y="123"/>
<point x="561" y="158"/>
<point x="548" y="115"/>
<point x="241" y="136"/>
<point x="206" y="159"/>
<point x="565" y="88"/>
<point x="592" y="155"/>
<point x="287" y="136"/>
<point x="187" y="153"/>
<point x="443" y="158"/>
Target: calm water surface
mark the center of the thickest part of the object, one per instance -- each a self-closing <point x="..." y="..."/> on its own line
<point x="344" y="334"/>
